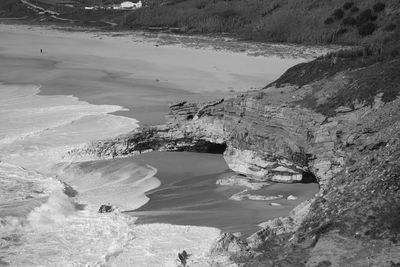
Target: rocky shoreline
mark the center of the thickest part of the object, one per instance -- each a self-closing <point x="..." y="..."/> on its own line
<point x="275" y="134"/>
<point x="213" y="128"/>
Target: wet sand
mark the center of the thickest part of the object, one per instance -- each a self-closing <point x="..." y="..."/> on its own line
<point x="188" y="194"/>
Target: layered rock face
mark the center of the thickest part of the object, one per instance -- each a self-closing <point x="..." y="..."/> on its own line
<point x="353" y="145"/>
<point x="277" y="134"/>
<point x="267" y="138"/>
<point x="262" y="140"/>
<point x="188" y="129"/>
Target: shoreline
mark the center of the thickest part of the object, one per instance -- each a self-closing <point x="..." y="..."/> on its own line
<point x="143" y="81"/>
<point x="94" y="75"/>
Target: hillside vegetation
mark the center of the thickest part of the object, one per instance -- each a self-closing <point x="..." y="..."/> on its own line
<point x="371" y="22"/>
<point x="13" y="8"/>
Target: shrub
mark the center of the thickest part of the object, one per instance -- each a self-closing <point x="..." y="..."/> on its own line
<point x="354" y="9"/>
<point x="390" y="27"/>
<point x="201" y="5"/>
<point x="349" y="21"/>
<point x="349" y="53"/>
<point x="341" y="31"/>
<point x="364" y="17"/>
<point x="229" y="13"/>
<point x="270" y="11"/>
<point x="329" y="21"/>
<point x="338" y="13"/>
<point x="366" y="29"/>
<point x="394" y="53"/>
<point x="348" y="5"/>
<point x="378" y="7"/>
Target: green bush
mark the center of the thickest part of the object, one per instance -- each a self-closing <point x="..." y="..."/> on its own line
<point x="341" y="31"/>
<point x="349" y="53"/>
<point x="349" y="21"/>
<point x="378" y="7"/>
<point x="366" y="29"/>
<point x="338" y="13"/>
<point x="226" y="14"/>
<point x="329" y="21"/>
<point x="364" y="17"/>
<point x="354" y="9"/>
<point x="201" y="5"/>
<point x="348" y="5"/>
<point x="389" y="28"/>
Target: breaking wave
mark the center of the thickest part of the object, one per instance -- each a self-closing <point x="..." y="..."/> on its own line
<point x="43" y="222"/>
<point x="118" y="183"/>
<point x="39" y="224"/>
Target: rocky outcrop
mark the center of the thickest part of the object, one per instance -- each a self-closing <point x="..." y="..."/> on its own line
<point x="228" y="249"/>
<point x="353" y="152"/>
<point x="245" y="195"/>
<point x="228" y="244"/>
<point x="241" y="180"/>
<point x="188" y="129"/>
<point x="292" y="222"/>
<point x="279" y="226"/>
<point x="106" y="208"/>
<point x="268" y="139"/>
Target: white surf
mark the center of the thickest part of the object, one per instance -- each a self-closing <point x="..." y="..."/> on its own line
<point x="40" y="225"/>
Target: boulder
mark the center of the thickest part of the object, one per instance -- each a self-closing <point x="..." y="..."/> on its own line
<point x="259" y="238"/>
<point x="106" y="208"/>
<point x="228" y="244"/>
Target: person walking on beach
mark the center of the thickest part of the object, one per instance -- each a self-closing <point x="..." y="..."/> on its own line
<point x="183" y="258"/>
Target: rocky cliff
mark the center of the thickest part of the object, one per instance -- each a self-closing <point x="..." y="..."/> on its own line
<point x="341" y="126"/>
<point x="334" y="121"/>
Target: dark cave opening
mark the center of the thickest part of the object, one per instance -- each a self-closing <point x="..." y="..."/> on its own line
<point x="209" y="147"/>
<point x="216" y="148"/>
<point x="203" y="146"/>
<point x="309" y="177"/>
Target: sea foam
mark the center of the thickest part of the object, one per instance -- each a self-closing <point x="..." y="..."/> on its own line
<point x="41" y="226"/>
<point x="118" y="183"/>
<point x="36" y="131"/>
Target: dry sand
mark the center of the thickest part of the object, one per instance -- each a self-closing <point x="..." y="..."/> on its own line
<point x="129" y="70"/>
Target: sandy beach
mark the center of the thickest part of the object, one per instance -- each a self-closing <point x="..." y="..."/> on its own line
<point x="130" y="70"/>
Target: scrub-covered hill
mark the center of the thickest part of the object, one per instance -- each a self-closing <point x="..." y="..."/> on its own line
<point x="375" y="23"/>
<point x="298" y="21"/>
